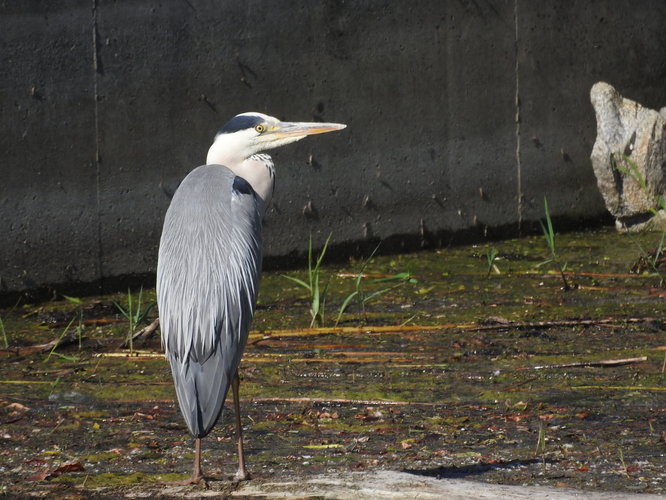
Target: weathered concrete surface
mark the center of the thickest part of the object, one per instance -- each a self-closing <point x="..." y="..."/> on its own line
<point x="380" y="484"/>
<point x="393" y="484"/>
<point x="629" y="157"/>
<point x="48" y="208"/>
<point x="462" y="116"/>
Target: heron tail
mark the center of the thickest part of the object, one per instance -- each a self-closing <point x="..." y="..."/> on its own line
<point x="201" y="388"/>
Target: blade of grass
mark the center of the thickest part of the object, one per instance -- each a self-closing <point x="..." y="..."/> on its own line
<point x="313" y="284"/>
<point x="59" y="339"/>
<point x="549" y="235"/>
<point x="4" y="333"/>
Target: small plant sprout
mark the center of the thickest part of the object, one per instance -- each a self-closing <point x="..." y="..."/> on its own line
<point x="651" y="259"/>
<point x="629" y="168"/>
<point x="4" y="334"/>
<point x="359" y="294"/>
<point x="491" y="258"/>
<point x="79" y="328"/>
<point x="541" y="444"/>
<point x="357" y="288"/>
<point x="57" y="343"/>
<point x="624" y="465"/>
<point x="53" y="387"/>
<point x="313" y="285"/>
<point x="134" y="314"/>
<point x="541" y="440"/>
<point x="549" y="235"/>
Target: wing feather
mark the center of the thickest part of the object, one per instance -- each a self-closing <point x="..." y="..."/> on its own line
<point x="208" y="274"/>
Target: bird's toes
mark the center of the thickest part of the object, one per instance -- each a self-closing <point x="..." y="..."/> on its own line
<point x="241" y="475"/>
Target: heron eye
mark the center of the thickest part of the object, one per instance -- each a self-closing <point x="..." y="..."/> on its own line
<point x="260" y="128"/>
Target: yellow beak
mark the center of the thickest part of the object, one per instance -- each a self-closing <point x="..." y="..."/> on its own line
<point x="301" y="129"/>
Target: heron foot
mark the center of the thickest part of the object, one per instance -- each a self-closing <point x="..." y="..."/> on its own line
<point x="241" y="475"/>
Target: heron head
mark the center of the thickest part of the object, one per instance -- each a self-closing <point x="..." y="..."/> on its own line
<point x="250" y="133"/>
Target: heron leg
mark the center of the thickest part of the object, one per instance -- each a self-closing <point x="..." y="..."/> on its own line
<point x="196" y="473"/>
<point x="242" y="474"/>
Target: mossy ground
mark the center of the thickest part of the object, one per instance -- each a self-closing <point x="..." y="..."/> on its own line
<point x="458" y="396"/>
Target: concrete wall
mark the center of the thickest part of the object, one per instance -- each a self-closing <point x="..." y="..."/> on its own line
<point x="462" y="116"/>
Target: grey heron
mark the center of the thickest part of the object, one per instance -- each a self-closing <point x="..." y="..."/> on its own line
<point x="209" y="266"/>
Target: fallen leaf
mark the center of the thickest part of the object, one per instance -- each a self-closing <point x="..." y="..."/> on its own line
<point x="17" y="407"/>
<point x="326" y="414"/>
<point x="36" y="461"/>
<point x="40" y="476"/>
<point x="370" y="414"/>
<point x="68" y="467"/>
<point x="46" y="474"/>
<point x="406" y="444"/>
<point x="144" y="415"/>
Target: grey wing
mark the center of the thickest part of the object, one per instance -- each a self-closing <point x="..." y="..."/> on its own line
<point x="208" y="273"/>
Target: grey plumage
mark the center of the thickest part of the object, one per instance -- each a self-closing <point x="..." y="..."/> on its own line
<point x="211" y="242"/>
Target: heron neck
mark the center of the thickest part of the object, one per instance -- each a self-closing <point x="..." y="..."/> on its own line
<point x="258" y="171"/>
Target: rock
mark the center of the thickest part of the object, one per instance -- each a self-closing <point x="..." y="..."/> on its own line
<point x="629" y="159"/>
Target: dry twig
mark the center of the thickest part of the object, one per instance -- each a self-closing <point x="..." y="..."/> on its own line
<point x="606" y="362"/>
<point x="146" y="331"/>
<point x="257" y="336"/>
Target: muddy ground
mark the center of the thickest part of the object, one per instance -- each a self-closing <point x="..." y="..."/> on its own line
<point x="465" y="367"/>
